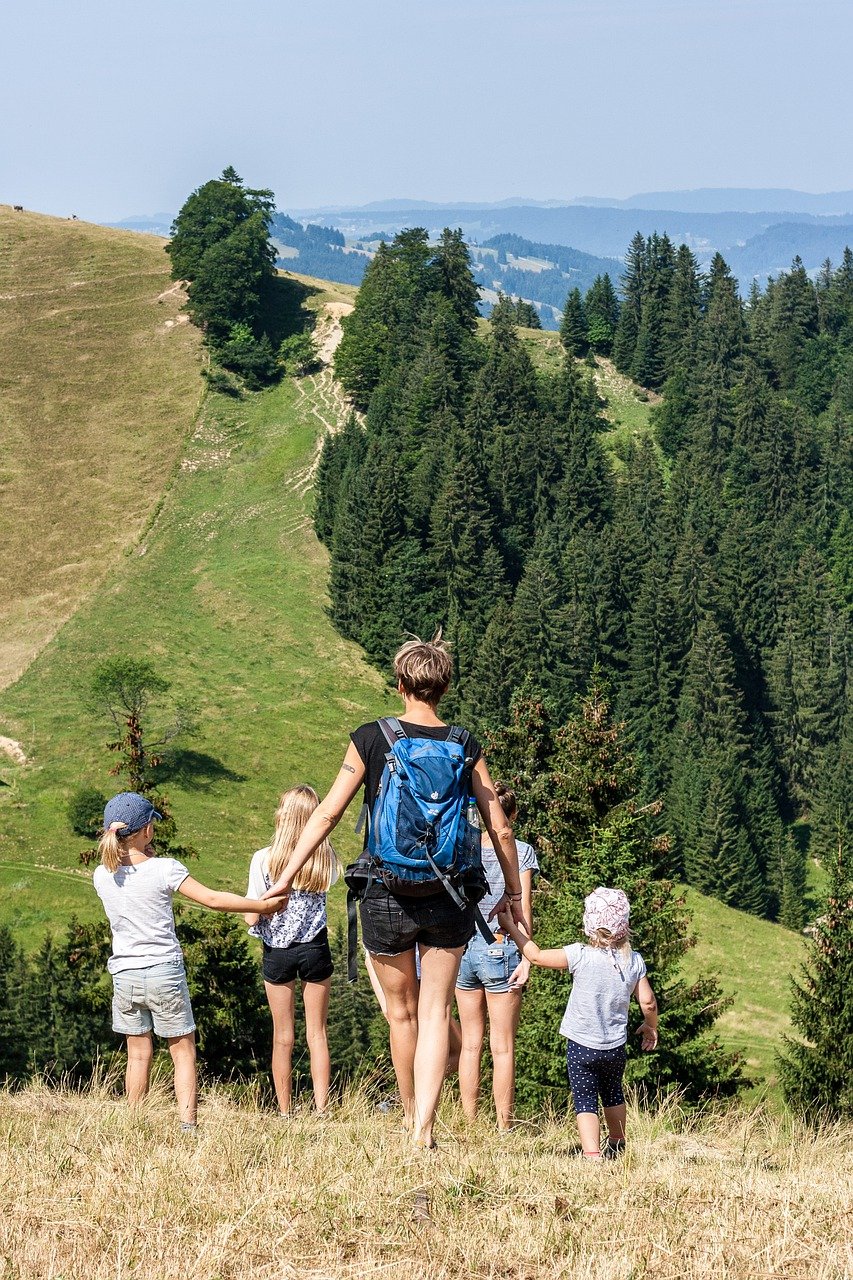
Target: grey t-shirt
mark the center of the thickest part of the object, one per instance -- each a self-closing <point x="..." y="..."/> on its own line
<point x="603" y="981"/>
<point x="494" y="875"/>
<point x="138" y="903"/>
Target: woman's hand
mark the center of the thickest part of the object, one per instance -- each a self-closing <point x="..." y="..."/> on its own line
<point x="650" y="1036"/>
<point x="281" y="889"/>
<point x="519" y="977"/>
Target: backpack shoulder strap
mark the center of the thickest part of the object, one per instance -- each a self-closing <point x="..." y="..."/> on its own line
<point x="392" y="730"/>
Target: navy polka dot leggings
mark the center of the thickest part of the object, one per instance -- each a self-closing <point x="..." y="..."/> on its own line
<point x="595" y="1073"/>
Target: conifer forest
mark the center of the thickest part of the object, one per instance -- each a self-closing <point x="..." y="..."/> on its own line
<point x="703" y="579"/>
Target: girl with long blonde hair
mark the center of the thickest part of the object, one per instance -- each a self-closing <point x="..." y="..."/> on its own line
<point x="296" y="944"/>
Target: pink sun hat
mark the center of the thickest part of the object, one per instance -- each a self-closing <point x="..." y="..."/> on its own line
<point x="606" y="909"/>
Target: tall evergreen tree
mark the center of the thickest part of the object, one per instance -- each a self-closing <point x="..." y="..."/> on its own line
<point x="817" y="1070"/>
<point x="601" y="308"/>
<point x="630" y="314"/>
<point x="573" y="330"/>
<point x="591" y="830"/>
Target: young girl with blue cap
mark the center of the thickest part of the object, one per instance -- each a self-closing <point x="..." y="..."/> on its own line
<point x="149" y="983"/>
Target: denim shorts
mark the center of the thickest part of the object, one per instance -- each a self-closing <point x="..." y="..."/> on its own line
<point x="391" y="925"/>
<point x="153" y="999"/>
<point x="309" y="961"/>
<point x="486" y="966"/>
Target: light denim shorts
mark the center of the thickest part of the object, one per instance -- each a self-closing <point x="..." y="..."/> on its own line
<point x="486" y="966"/>
<point x="153" y="999"/>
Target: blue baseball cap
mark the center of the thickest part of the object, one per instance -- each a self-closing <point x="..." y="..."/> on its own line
<point x="132" y="810"/>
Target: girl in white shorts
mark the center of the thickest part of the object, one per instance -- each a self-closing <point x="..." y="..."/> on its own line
<point x="150" y="991"/>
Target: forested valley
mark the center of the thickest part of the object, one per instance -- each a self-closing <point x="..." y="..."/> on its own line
<point x="703" y="579"/>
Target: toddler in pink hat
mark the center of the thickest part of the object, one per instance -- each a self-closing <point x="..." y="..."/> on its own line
<point x="606" y="973"/>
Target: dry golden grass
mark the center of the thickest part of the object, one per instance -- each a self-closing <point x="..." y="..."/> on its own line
<point x="98" y="387"/>
<point x="92" y="1190"/>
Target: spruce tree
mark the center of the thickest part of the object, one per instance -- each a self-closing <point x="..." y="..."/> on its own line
<point x="590" y="830"/>
<point x="817" y="1070"/>
<point x="601" y="307"/>
<point x="454" y="281"/>
<point x="630" y="314"/>
<point x="573" y="331"/>
<point x="683" y="312"/>
<point x="14" y="984"/>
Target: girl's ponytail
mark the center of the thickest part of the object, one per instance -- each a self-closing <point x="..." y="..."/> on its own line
<point x="110" y="849"/>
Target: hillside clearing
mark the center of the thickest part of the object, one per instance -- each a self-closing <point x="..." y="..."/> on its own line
<point x="99" y="387"/>
<point x="225" y="595"/>
<point x="333" y="1198"/>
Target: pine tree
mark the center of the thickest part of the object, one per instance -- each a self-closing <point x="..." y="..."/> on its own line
<point x="452" y="269"/>
<point x="14" y="984"/>
<point x="794" y="321"/>
<point x="601" y="307"/>
<point x="650" y="682"/>
<point x="649" y="365"/>
<point x="682" y="313"/>
<point x="708" y="806"/>
<point x="817" y="1070"/>
<point x="340" y="450"/>
<point x="587" y="825"/>
<point x="630" y="314"/>
<point x="573" y="331"/>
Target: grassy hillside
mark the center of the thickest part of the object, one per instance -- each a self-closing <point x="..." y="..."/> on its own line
<point x="731" y="1197"/>
<point x="224" y="592"/>
<point x="98" y="387"/>
<point x="225" y="595"/>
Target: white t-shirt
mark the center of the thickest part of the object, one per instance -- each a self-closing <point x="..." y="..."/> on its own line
<point x="494" y="875"/>
<point x="138" y="903"/>
<point x="603" y="981"/>
<point x="303" y="917"/>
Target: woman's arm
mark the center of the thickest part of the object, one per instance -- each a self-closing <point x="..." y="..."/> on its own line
<point x="503" y="840"/>
<point x="324" y="819"/>
<point x="521" y="973"/>
<point x="648" y="1028"/>
<point x="220" y="901"/>
<point x="552" y="958"/>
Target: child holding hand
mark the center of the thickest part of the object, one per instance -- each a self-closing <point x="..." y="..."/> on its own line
<point x="606" y="972"/>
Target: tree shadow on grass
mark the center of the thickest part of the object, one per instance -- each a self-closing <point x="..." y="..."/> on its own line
<point x="194" y="770"/>
<point x="284" y="311"/>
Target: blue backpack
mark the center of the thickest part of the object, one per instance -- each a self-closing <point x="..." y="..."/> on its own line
<point x="422" y="828"/>
<point x="419" y="828"/>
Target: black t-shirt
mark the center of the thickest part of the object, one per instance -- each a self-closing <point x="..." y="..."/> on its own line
<point x="372" y="745"/>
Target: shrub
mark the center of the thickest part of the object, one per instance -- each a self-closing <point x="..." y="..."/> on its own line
<point x="86" y="812"/>
<point x="297" y="354"/>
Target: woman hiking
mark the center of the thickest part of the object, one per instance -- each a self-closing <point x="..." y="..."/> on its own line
<point x="399" y="913"/>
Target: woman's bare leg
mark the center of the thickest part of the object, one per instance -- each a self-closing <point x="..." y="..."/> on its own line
<point x="472" y="1019"/>
<point x="439" y="970"/>
<point x="398" y="979"/>
<point x="281" y="997"/>
<point x="315" y="996"/>
<point x="504" y="1009"/>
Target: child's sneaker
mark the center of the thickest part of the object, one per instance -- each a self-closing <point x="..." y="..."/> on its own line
<point x="613" y="1150"/>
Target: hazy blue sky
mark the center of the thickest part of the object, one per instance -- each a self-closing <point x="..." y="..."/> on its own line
<point x="109" y="108"/>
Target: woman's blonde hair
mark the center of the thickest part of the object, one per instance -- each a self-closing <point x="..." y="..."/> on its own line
<point x="604" y="938"/>
<point x="112" y="849"/>
<point x="424" y="668"/>
<point x="294" y="809"/>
